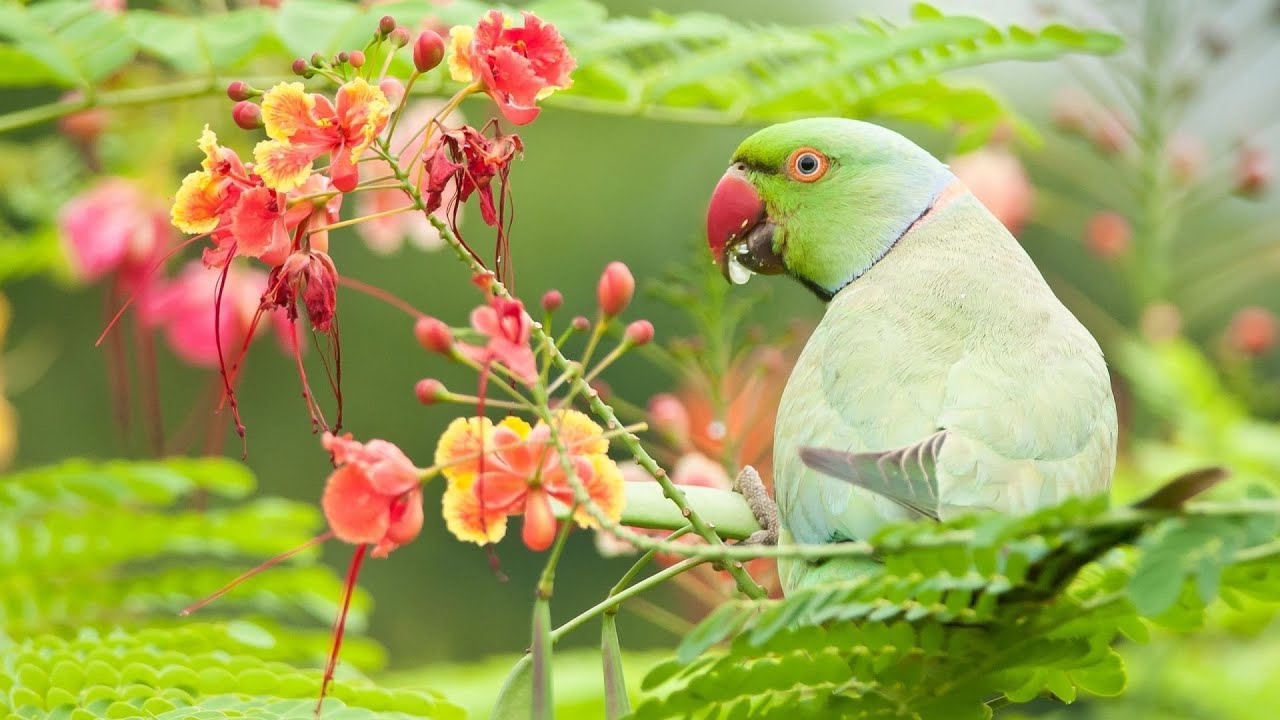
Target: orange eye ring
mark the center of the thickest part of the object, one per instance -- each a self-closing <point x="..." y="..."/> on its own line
<point x="805" y="164"/>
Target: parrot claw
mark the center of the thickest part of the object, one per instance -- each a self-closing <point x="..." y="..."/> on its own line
<point x="750" y="486"/>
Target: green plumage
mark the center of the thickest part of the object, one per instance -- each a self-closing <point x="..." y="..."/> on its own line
<point x="941" y="339"/>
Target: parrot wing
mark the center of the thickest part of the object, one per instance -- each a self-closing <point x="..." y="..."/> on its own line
<point x="906" y="475"/>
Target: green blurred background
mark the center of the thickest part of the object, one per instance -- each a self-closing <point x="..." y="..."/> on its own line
<point x="596" y="188"/>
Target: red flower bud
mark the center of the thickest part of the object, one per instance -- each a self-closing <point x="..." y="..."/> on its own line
<point x="386" y="25"/>
<point x="241" y="90"/>
<point x="601" y="389"/>
<point x="430" y="391"/>
<point x="84" y="125"/>
<point x="539" y="529"/>
<point x="1107" y="235"/>
<point x="247" y="115"/>
<point x="300" y="67"/>
<point x="356" y="59"/>
<point x="399" y="37"/>
<point x="428" y="50"/>
<point x="1253" y="331"/>
<point x="639" y="332"/>
<point x="580" y="323"/>
<point x="434" y="335"/>
<point x="1187" y="157"/>
<point x="341" y="58"/>
<point x="552" y="300"/>
<point x="1253" y="171"/>
<point x="615" y="289"/>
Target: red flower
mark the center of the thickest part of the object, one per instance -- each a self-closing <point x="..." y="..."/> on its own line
<point x="303" y="126"/>
<point x="113" y="228"/>
<point x="312" y="276"/>
<point x="507" y="326"/>
<point x="518" y="65"/>
<point x="375" y="495"/>
<point x="521" y="474"/>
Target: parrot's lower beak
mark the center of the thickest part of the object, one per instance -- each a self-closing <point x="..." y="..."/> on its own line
<point x="739" y="230"/>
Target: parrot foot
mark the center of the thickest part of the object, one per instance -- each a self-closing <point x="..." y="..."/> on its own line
<point x="750" y="486"/>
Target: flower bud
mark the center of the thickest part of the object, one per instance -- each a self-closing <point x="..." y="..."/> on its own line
<point x="341" y="58"/>
<point x="386" y="25"/>
<point x="639" y="332"/>
<point x="317" y="60"/>
<point x="670" y="417"/>
<point x="1253" y="331"/>
<point x="581" y="323"/>
<point x="615" y="289"/>
<point x="247" y="115"/>
<point x="393" y="89"/>
<point x="1110" y="132"/>
<point x="1253" y="171"/>
<point x="300" y="67"/>
<point x="241" y="90"/>
<point x="434" y="335"/>
<point x="1107" y="235"/>
<point x="430" y="391"/>
<point x="1187" y="157"/>
<point x="84" y="125"/>
<point x="399" y="37"/>
<point x="428" y="50"/>
<point x="552" y="300"/>
<point x="356" y="59"/>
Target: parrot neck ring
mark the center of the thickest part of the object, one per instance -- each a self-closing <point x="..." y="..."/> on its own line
<point x="739" y="230"/>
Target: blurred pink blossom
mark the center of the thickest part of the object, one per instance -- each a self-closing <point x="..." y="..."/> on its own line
<point x="114" y="227"/>
<point x="997" y="179"/>
<point x="385" y="235"/>
<point x="184" y="308"/>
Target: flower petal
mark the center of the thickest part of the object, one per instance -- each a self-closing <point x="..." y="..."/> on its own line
<point x="539" y="529"/>
<point x="606" y="489"/>
<point x="405" y="528"/>
<point x="355" y="512"/>
<point x="458" y="449"/>
<point x="463" y="516"/>
<point x="282" y="165"/>
<point x="579" y="434"/>
<point x="459" y="54"/>
<point x="197" y="202"/>
<point x="288" y="109"/>
<point x="257" y="222"/>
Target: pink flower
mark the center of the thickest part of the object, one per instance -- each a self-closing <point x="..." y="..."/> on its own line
<point x="184" y="308"/>
<point x="507" y="326"/>
<point x="996" y="178"/>
<point x="374" y="496"/>
<point x="518" y="65"/>
<point x="114" y="227"/>
<point x="385" y="235"/>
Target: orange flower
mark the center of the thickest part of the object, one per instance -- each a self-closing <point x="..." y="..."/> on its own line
<point x="518" y="65"/>
<point x="303" y="126"/>
<point x="375" y="495"/>
<point x="521" y="473"/>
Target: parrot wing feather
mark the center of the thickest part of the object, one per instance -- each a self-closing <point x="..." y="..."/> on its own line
<point x="906" y="475"/>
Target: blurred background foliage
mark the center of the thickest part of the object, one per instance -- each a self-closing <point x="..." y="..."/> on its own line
<point x="1139" y="182"/>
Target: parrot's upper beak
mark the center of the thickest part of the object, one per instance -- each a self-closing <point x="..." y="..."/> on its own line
<point x="739" y="231"/>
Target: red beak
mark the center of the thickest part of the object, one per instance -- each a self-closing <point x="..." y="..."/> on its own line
<point x="735" y="208"/>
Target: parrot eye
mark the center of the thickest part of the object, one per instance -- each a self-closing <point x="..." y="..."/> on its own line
<point x="807" y="165"/>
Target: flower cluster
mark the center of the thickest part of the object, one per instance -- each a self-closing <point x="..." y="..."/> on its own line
<point x="495" y="471"/>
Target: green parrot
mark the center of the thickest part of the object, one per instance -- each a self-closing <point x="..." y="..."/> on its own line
<point x="945" y="377"/>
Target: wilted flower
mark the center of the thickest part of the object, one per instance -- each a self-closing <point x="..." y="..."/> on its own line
<point x="303" y="126"/>
<point x="374" y="496"/>
<point x="996" y="177"/>
<point x="475" y="160"/>
<point x="507" y="326"/>
<point x="517" y="65"/>
<point x="311" y="276"/>
<point x="520" y="473"/>
<point x="114" y="227"/>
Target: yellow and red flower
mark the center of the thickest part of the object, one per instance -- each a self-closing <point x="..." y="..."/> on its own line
<point x="517" y="65"/>
<point x="520" y="472"/>
<point x="304" y="126"/>
<point x="374" y="496"/>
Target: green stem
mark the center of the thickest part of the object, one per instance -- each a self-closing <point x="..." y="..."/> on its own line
<point x="1157" y="223"/>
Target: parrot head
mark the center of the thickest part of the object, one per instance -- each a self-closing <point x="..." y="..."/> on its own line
<point x="820" y="200"/>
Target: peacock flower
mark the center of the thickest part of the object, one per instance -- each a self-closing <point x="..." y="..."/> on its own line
<point x="520" y="473"/>
<point x="304" y="126"/>
<point x="518" y="66"/>
<point x="507" y="327"/>
<point x="374" y="496"/>
<point x="206" y="194"/>
<point x="114" y="227"/>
